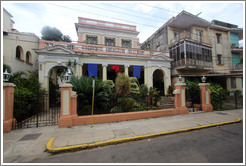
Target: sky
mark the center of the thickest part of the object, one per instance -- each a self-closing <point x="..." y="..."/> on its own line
<point x="148" y="16"/>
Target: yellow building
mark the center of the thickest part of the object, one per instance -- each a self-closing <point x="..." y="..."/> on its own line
<point x="106" y="46"/>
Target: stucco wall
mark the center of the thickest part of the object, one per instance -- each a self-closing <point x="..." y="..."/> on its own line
<point x="223" y="48"/>
<point x="7" y="23"/>
<point x="27" y="43"/>
<point x="239" y="84"/>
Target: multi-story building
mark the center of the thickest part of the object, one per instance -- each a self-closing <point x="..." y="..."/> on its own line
<point x="197" y="47"/>
<point x="103" y="49"/>
<point x="18" y="47"/>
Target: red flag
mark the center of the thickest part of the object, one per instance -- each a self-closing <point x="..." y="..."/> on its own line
<point x="115" y="67"/>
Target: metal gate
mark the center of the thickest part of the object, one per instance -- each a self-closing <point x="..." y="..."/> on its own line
<point x="33" y="111"/>
<point x="193" y="101"/>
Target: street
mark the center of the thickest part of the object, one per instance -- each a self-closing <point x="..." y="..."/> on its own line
<point x="223" y="144"/>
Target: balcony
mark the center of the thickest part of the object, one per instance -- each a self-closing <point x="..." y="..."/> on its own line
<point x="190" y="36"/>
<point x="101" y="49"/>
<point x="192" y="64"/>
<point x="237" y="67"/>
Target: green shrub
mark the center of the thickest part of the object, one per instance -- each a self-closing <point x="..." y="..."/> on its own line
<point x="29" y="96"/>
<point x="154" y="95"/>
<point x="116" y="109"/>
<point x="126" y="103"/>
<point x="192" y="91"/>
<point x="143" y="91"/>
<point x="218" y="94"/>
<point x="122" y="85"/>
<point x="134" y="86"/>
<point x="110" y="83"/>
<point x="83" y="87"/>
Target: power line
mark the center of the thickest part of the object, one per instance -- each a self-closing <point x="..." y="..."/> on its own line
<point x="103" y="15"/>
<point x="133" y="11"/>
<point x="129" y="21"/>
<point x="119" y="12"/>
<point x="159" y="8"/>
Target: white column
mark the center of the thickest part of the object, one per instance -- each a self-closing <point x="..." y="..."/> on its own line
<point x="126" y="70"/>
<point x="104" y="72"/>
<point x="79" y="70"/>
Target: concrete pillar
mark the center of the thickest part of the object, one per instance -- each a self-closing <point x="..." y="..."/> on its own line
<point x="78" y="70"/>
<point x="146" y="76"/>
<point x="104" y="72"/>
<point x="179" y="99"/>
<point x="68" y="106"/>
<point x="205" y="97"/>
<point x="126" y="70"/>
<point x="8" y="106"/>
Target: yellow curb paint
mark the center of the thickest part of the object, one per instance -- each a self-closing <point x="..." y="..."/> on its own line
<point x="52" y="149"/>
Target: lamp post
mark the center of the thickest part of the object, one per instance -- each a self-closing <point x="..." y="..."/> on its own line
<point x="66" y="77"/>
<point x="6" y="76"/>
<point x="203" y="79"/>
<point x="180" y="79"/>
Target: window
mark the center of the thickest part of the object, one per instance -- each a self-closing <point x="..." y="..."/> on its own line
<point x="233" y="83"/>
<point x="126" y="43"/>
<point x="218" y="38"/>
<point x="91" y="39"/>
<point x="199" y="35"/>
<point x="19" y="52"/>
<point x="176" y="35"/>
<point x="219" y="59"/>
<point x="109" y="42"/>
<point x="28" y="57"/>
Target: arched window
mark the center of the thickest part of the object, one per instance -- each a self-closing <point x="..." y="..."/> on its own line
<point x="28" y="57"/>
<point x="19" y="52"/>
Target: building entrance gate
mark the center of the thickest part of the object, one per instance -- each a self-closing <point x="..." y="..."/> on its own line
<point x="36" y="111"/>
<point x="193" y="101"/>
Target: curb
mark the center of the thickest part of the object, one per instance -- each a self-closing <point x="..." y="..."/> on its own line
<point x="54" y="150"/>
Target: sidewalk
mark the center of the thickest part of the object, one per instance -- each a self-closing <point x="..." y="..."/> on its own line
<point x="25" y="145"/>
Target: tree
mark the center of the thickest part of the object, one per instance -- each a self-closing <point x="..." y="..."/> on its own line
<point x="54" y="34"/>
<point x="122" y="85"/>
<point x="66" y="38"/>
<point x="83" y="87"/>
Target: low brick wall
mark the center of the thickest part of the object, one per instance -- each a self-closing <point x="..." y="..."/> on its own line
<point x="116" y="117"/>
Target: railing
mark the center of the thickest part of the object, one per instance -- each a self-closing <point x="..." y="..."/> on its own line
<point x="191" y="36"/>
<point x="101" y="49"/>
<point x="106" y="24"/>
<point x="192" y="62"/>
<point x="237" y="67"/>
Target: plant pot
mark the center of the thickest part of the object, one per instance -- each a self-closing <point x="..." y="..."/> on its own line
<point x="188" y="104"/>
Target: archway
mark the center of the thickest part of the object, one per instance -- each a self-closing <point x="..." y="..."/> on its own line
<point x="53" y="84"/>
<point x="158" y="81"/>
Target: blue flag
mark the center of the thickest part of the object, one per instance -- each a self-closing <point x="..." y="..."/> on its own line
<point x="136" y="71"/>
<point x="92" y="70"/>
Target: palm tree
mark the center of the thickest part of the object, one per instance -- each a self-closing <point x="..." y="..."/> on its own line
<point x="83" y="87"/>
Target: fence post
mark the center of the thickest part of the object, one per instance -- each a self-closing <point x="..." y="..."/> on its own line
<point x="205" y="97"/>
<point x="179" y="99"/>
<point x="8" y="106"/>
<point x="68" y="106"/>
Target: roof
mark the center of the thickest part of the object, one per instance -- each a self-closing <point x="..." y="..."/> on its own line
<point x="7" y="12"/>
<point x="185" y="19"/>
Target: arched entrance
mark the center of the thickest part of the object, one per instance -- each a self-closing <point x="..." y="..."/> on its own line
<point x="158" y="81"/>
<point x="54" y="92"/>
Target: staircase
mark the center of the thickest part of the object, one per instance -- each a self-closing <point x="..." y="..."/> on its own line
<point x="166" y="102"/>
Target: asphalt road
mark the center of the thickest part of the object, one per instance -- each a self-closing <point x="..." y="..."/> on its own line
<point x="222" y="144"/>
